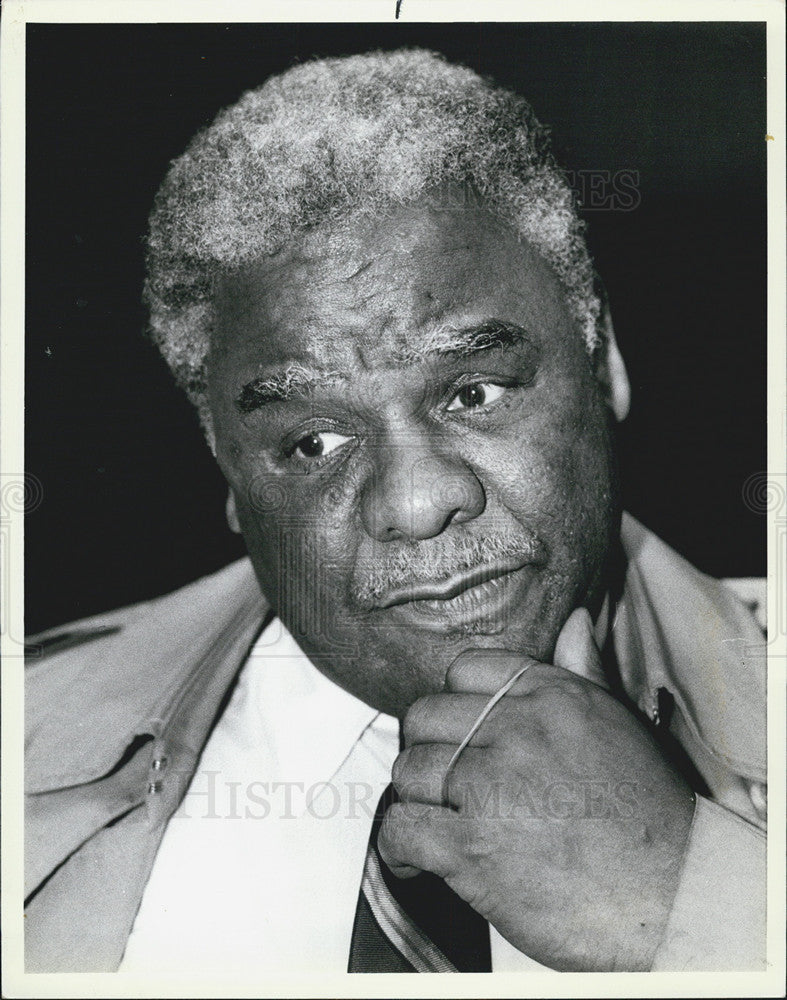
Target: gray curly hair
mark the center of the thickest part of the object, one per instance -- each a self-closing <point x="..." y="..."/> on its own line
<point x="334" y="138"/>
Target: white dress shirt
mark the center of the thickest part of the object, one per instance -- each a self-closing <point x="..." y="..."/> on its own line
<point x="260" y="868"/>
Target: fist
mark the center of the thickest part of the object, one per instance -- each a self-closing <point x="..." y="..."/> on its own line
<point x="562" y="823"/>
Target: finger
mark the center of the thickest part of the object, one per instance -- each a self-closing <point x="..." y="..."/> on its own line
<point x="576" y="649"/>
<point x="443" y="718"/>
<point x="415" y="835"/>
<point x="485" y="671"/>
<point x="419" y="771"/>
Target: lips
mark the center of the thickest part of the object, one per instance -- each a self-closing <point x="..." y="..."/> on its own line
<point x="450" y="587"/>
<point x="480" y="598"/>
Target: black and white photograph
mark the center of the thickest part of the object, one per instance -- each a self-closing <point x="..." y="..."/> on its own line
<point x="397" y="494"/>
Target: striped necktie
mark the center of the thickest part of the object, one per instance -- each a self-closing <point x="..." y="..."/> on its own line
<point x="413" y="925"/>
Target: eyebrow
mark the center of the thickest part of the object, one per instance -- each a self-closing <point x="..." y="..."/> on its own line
<point x="462" y="341"/>
<point x="443" y="340"/>
<point x="295" y="380"/>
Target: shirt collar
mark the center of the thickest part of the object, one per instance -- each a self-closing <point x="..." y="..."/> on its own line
<point x="292" y="698"/>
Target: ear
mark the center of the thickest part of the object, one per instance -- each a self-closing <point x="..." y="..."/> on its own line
<point x="611" y="371"/>
<point x="232" y="514"/>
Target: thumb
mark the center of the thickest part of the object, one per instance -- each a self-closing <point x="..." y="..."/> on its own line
<point x="576" y="648"/>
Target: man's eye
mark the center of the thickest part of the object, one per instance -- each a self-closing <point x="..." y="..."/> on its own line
<point x="318" y="445"/>
<point x="476" y="394"/>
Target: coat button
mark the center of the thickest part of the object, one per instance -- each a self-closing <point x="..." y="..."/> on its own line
<point x="154" y="788"/>
<point x="159" y="763"/>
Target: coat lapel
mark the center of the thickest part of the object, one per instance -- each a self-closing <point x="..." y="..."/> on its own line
<point x="105" y="772"/>
<point x="680" y="630"/>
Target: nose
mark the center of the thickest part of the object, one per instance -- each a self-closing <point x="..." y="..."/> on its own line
<point x="417" y="489"/>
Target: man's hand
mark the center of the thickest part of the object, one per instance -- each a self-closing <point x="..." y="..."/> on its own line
<point x="566" y="826"/>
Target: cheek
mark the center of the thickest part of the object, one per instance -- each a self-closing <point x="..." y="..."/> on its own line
<point x="552" y="471"/>
<point x="301" y="536"/>
<point x="582" y="462"/>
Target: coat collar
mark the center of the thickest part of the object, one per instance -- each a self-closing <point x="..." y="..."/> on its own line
<point x="86" y="706"/>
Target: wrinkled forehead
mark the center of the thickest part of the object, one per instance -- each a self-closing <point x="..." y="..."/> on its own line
<point x="387" y="290"/>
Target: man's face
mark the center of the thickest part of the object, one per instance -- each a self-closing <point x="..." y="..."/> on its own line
<point x="417" y="445"/>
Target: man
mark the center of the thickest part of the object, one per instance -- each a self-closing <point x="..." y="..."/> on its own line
<point x="370" y="278"/>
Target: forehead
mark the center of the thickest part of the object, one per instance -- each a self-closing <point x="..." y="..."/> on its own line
<point x="374" y="292"/>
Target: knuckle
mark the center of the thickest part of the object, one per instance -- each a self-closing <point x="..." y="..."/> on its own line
<point x="575" y="690"/>
<point x="564" y="696"/>
<point x="465" y="668"/>
<point x="390" y="828"/>
<point x="471" y="786"/>
<point x="418" y="775"/>
<point x="414" y="720"/>
<point x="410" y="722"/>
<point x="399" y="769"/>
<point x="461" y="668"/>
<point x="478" y="843"/>
<point x="504" y="719"/>
<point x="543" y="695"/>
<point x="550" y="689"/>
<point x="540" y="674"/>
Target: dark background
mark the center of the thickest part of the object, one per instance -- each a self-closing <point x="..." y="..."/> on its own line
<point x="132" y="502"/>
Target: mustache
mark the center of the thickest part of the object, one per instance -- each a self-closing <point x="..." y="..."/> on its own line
<point x="397" y="564"/>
